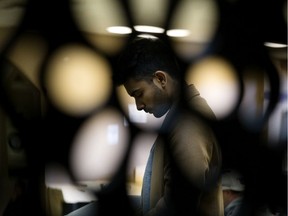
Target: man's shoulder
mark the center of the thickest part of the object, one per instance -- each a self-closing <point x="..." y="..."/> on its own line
<point x="197" y="103"/>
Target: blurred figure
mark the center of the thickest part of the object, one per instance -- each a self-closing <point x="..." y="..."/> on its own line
<point x="183" y="169"/>
<point x="233" y="188"/>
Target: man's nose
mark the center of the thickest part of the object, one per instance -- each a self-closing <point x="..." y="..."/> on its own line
<point x="140" y="106"/>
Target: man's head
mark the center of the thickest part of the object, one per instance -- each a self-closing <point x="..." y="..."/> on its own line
<point x="149" y="72"/>
<point x="232" y="186"/>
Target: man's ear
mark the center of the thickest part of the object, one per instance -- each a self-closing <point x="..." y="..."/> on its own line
<point x="160" y="78"/>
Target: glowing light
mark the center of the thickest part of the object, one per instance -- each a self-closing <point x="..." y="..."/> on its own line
<point x="148" y="29"/>
<point x="93" y="17"/>
<point x="216" y="79"/>
<point x="96" y="15"/>
<point x="275" y="45"/>
<point x="78" y="80"/>
<point x="203" y="19"/>
<point x="202" y="16"/>
<point x="149" y="12"/>
<point x="99" y="147"/>
<point x="146" y="36"/>
<point x="119" y="29"/>
<point x="178" y="33"/>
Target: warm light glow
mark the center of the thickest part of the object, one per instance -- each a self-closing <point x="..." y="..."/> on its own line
<point x="119" y="29"/>
<point x="149" y="12"/>
<point x="93" y="17"/>
<point x="99" y="147"/>
<point x="202" y="16"/>
<point x="200" y="19"/>
<point x="216" y="80"/>
<point x="148" y="29"/>
<point x="78" y="80"/>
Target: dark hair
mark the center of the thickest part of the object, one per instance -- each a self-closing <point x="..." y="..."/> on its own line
<point x="142" y="57"/>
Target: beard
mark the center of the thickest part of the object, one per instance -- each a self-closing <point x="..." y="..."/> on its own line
<point x="161" y="111"/>
<point x="162" y="104"/>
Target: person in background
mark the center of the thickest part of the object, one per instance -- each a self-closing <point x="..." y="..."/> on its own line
<point x="182" y="174"/>
<point x="233" y="188"/>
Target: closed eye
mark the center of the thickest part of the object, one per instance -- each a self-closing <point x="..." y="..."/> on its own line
<point x="137" y="94"/>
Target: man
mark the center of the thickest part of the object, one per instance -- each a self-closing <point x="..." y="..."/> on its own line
<point x="233" y="187"/>
<point x="182" y="173"/>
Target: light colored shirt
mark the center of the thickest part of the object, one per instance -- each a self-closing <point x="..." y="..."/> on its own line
<point x="147" y="183"/>
<point x="233" y="208"/>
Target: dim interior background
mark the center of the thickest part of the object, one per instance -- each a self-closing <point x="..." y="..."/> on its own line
<point x="67" y="137"/>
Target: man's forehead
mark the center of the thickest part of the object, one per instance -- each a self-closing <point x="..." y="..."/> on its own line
<point x="131" y="82"/>
<point x="132" y="85"/>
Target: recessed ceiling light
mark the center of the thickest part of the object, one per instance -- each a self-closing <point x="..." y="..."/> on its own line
<point x="178" y="33"/>
<point x="148" y="29"/>
<point x="275" y="45"/>
<point x="146" y="36"/>
<point x="119" y="29"/>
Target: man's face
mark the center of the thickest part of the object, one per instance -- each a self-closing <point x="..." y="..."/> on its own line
<point x="226" y="197"/>
<point x="149" y="96"/>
